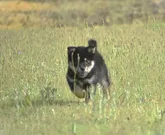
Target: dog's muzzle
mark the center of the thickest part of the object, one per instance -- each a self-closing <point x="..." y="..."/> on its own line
<point x="83" y="70"/>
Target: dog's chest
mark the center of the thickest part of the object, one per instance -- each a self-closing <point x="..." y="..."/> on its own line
<point x="82" y="83"/>
<point x="87" y="81"/>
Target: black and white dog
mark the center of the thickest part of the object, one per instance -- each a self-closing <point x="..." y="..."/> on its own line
<point x="86" y="67"/>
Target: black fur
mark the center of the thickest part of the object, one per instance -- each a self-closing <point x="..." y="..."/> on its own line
<point x="79" y="59"/>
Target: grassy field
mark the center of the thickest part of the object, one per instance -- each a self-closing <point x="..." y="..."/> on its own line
<point x="60" y="13"/>
<point x="35" y="98"/>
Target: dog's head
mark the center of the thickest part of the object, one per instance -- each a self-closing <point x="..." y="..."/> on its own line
<point x="81" y="59"/>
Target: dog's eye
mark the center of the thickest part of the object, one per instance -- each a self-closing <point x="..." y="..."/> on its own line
<point x="87" y="61"/>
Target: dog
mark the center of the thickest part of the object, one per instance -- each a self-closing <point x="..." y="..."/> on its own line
<point x="86" y="68"/>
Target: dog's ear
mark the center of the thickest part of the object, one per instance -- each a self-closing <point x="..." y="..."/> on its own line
<point x="92" y="46"/>
<point x="71" y="49"/>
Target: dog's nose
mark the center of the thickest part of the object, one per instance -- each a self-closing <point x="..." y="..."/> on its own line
<point x="82" y="68"/>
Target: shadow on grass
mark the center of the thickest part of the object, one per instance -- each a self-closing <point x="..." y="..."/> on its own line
<point x="55" y="102"/>
<point x="37" y="103"/>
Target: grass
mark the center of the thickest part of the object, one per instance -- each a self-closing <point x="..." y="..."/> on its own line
<point x="35" y="13"/>
<point x="35" y="98"/>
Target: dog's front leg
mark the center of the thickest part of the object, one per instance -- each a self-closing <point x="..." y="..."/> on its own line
<point x="87" y="95"/>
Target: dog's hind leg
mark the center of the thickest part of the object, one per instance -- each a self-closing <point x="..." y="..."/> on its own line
<point x="106" y="89"/>
<point x="106" y="93"/>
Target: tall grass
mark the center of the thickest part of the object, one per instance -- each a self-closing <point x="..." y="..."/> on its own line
<point x="35" y="98"/>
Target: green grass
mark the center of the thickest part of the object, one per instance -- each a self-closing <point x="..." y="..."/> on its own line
<point x="35" y="98"/>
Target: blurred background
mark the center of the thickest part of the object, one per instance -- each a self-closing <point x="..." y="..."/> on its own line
<point x="32" y="13"/>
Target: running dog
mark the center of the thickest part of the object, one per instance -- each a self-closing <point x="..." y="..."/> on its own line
<point x="86" y="68"/>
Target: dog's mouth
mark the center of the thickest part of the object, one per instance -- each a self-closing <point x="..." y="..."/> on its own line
<point x="83" y="70"/>
<point x="82" y="74"/>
